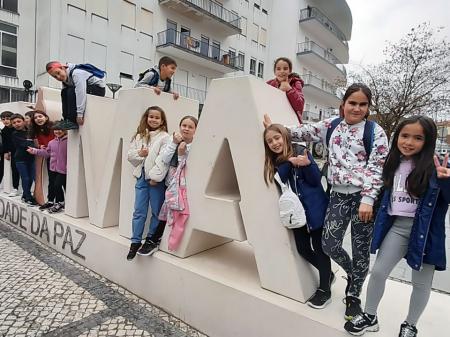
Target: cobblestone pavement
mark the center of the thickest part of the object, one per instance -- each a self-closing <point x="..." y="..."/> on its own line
<point x="44" y="293"/>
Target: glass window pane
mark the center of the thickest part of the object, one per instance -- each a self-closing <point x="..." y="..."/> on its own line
<point x="10" y="5"/>
<point x="18" y="95"/>
<point x="4" y="95"/>
<point x="8" y="71"/>
<point x="8" y="28"/>
<point x="9" y="50"/>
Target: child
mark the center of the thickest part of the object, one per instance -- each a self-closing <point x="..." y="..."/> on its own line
<point x="24" y="161"/>
<point x="410" y="223"/>
<point x="144" y="149"/>
<point x="175" y="210"/>
<point x="56" y="150"/>
<point x="28" y="118"/>
<point x="355" y="179"/>
<point x="77" y="82"/>
<point x="159" y="78"/>
<point x="289" y="83"/>
<point x="297" y="167"/>
<point x="41" y="131"/>
<point x="9" y="150"/>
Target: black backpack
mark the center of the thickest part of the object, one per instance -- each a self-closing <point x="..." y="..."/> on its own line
<point x="154" y="81"/>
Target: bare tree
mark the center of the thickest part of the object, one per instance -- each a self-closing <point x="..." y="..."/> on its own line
<point x="413" y="79"/>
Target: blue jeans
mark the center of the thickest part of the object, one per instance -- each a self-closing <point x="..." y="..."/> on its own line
<point x="26" y="172"/>
<point x="145" y="194"/>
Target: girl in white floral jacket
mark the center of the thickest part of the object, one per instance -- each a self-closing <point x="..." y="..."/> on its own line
<point x="355" y="178"/>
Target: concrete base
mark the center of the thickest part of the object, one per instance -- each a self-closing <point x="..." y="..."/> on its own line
<point x="217" y="291"/>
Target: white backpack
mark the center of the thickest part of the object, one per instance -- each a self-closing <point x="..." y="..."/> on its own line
<point x="292" y="213"/>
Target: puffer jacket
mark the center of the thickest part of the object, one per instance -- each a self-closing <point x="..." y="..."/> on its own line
<point x="295" y="95"/>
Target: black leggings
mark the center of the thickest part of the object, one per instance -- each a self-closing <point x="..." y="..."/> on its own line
<point x="309" y="246"/>
<point x="69" y="100"/>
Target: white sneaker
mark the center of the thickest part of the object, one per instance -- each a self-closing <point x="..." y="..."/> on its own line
<point x="14" y="193"/>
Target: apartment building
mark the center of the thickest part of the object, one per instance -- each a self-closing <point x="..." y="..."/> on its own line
<point x="209" y="39"/>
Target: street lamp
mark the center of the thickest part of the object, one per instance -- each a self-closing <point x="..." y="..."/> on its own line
<point x="114" y="88"/>
<point x="27" y="84"/>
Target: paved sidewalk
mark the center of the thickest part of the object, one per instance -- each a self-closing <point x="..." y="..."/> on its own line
<point x="44" y="293"/>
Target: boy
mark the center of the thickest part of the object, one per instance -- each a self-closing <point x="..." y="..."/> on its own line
<point x="159" y="78"/>
<point x="24" y="160"/>
<point x="9" y="150"/>
<point x="77" y="81"/>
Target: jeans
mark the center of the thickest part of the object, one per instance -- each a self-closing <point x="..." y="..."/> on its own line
<point x="26" y="171"/>
<point x="146" y="194"/>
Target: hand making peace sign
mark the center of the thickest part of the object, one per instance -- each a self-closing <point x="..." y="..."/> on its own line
<point x="441" y="169"/>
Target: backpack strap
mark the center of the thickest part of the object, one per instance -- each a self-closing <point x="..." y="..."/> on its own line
<point x="368" y="137"/>
<point x="283" y="186"/>
<point x="334" y="123"/>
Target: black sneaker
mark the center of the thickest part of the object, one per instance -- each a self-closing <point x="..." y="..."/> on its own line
<point x="133" y="250"/>
<point x="362" y="323"/>
<point x="320" y="299"/>
<point x="352" y="307"/>
<point x="31" y="202"/>
<point x="148" y="248"/>
<point x="349" y="283"/>
<point x="46" y="205"/>
<point x="56" y="208"/>
<point x="407" y="330"/>
<point x="68" y="125"/>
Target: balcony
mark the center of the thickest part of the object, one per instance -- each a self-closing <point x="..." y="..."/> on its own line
<point x="181" y="45"/>
<point x="192" y="93"/>
<point x="227" y="22"/>
<point x="321" y="90"/>
<point x="313" y="116"/>
<point x="313" y="20"/>
<point x="319" y="58"/>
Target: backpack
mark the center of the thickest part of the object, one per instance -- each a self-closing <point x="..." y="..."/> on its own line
<point x="91" y="69"/>
<point x="292" y="213"/>
<point x="368" y="137"/>
<point x="154" y="81"/>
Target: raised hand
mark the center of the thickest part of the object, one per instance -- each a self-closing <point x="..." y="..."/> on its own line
<point x="267" y="121"/>
<point x="284" y="86"/>
<point x="182" y="149"/>
<point x="143" y="152"/>
<point x="441" y="169"/>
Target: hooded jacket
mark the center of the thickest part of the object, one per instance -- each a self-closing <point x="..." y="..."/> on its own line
<point x="295" y="95"/>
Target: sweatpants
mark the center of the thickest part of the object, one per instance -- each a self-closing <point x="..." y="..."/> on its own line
<point x="392" y="250"/>
<point x="309" y="246"/>
<point x="343" y="209"/>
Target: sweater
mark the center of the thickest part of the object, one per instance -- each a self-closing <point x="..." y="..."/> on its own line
<point x="295" y="95"/>
<point x="21" y="142"/>
<point x="350" y="171"/>
<point x="57" y="151"/>
<point x="402" y="203"/>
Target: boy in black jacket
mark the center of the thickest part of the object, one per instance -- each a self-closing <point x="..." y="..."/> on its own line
<point x="9" y="150"/>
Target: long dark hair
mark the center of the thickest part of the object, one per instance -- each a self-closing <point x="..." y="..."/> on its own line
<point x="355" y="87"/>
<point x="418" y="179"/>
<point x="37" y="130"/>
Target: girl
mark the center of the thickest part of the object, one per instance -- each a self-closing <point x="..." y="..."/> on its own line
<point x="298" y="167"/>
<point x="41" y="132"/>
<point x="290" y="83"/>
<point x="175" y="210"/>
<point x="145" y="147"/>
<point x="28" y="118"/>
<point x="355" y="180"/>
<point x="410" y="223"/>
<point x="78" y="80"/>
<point x="56" y="150"/>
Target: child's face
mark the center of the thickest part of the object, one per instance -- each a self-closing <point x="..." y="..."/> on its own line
<point x="40" y="119"/>
<point x="187" y="130"/>
<point x="154" y="119"/>
<point x="27" y="120"/>
<point x="356" y="107"/>
<point x="59" y="133"/>
<point x="411" y="139"/>
<point x="275" y="141"/>
<point x="167" y="71"/>
<point x="282" y="71"/>
<point x="18" y="123"/>
<point x="58" y="74"/>
<point x="6" y="121"/>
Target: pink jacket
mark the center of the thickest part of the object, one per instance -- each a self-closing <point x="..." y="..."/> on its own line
<point x="57" y="151"/>
<point x="295" y="95"/>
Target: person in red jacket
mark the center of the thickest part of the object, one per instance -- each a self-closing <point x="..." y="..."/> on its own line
<point x="289" y="82"/>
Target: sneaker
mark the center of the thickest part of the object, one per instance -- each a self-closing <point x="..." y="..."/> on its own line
<point x="31" y="202"/>
<point x="349" y="283"/>
<point x="68" y="125"/>
<point x="46" y="205"/>
<point x="14" y="193"/>
<point x="133" y="250"/>
<point x="407" y="330"/>
<point x="56" y="208"/>
<point x="320" y="299"/>
<point x="148" y="248"/>
<point x="352" y="307"/>
<point x="362" y="323"/>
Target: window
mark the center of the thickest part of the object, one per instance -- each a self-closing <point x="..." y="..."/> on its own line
<point x="260" y="69"/>
<point x="241" y="60"/>
<point x="232" y="53"/>
<point x="215" y="50"/>
<point x="12" y="95"/>
<point x="8" y="47"/>
<point x="252" y="66"/>
<point x="243" y="26"/>
<point x="9" y="5"/>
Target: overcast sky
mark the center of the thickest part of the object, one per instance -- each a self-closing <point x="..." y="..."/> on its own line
<point x="375" y="22"/>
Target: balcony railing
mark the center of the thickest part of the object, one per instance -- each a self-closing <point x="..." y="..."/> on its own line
<point x="314" y="13"/>
<point x="313" y="47"/>
<point x="319" y="83"/>
<point x="184" y="91"/>
<point x="200" y="48"/>
<point x="215" y="10"/>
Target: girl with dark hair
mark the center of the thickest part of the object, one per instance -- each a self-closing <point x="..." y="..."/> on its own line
<point x="290" y="83"/>
<point x="151" y="135"/>
<point x="410" y="223"/>
<point x="355" y="179"/>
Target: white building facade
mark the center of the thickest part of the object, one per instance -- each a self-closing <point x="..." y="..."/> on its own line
<point x="209" y="39"/>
